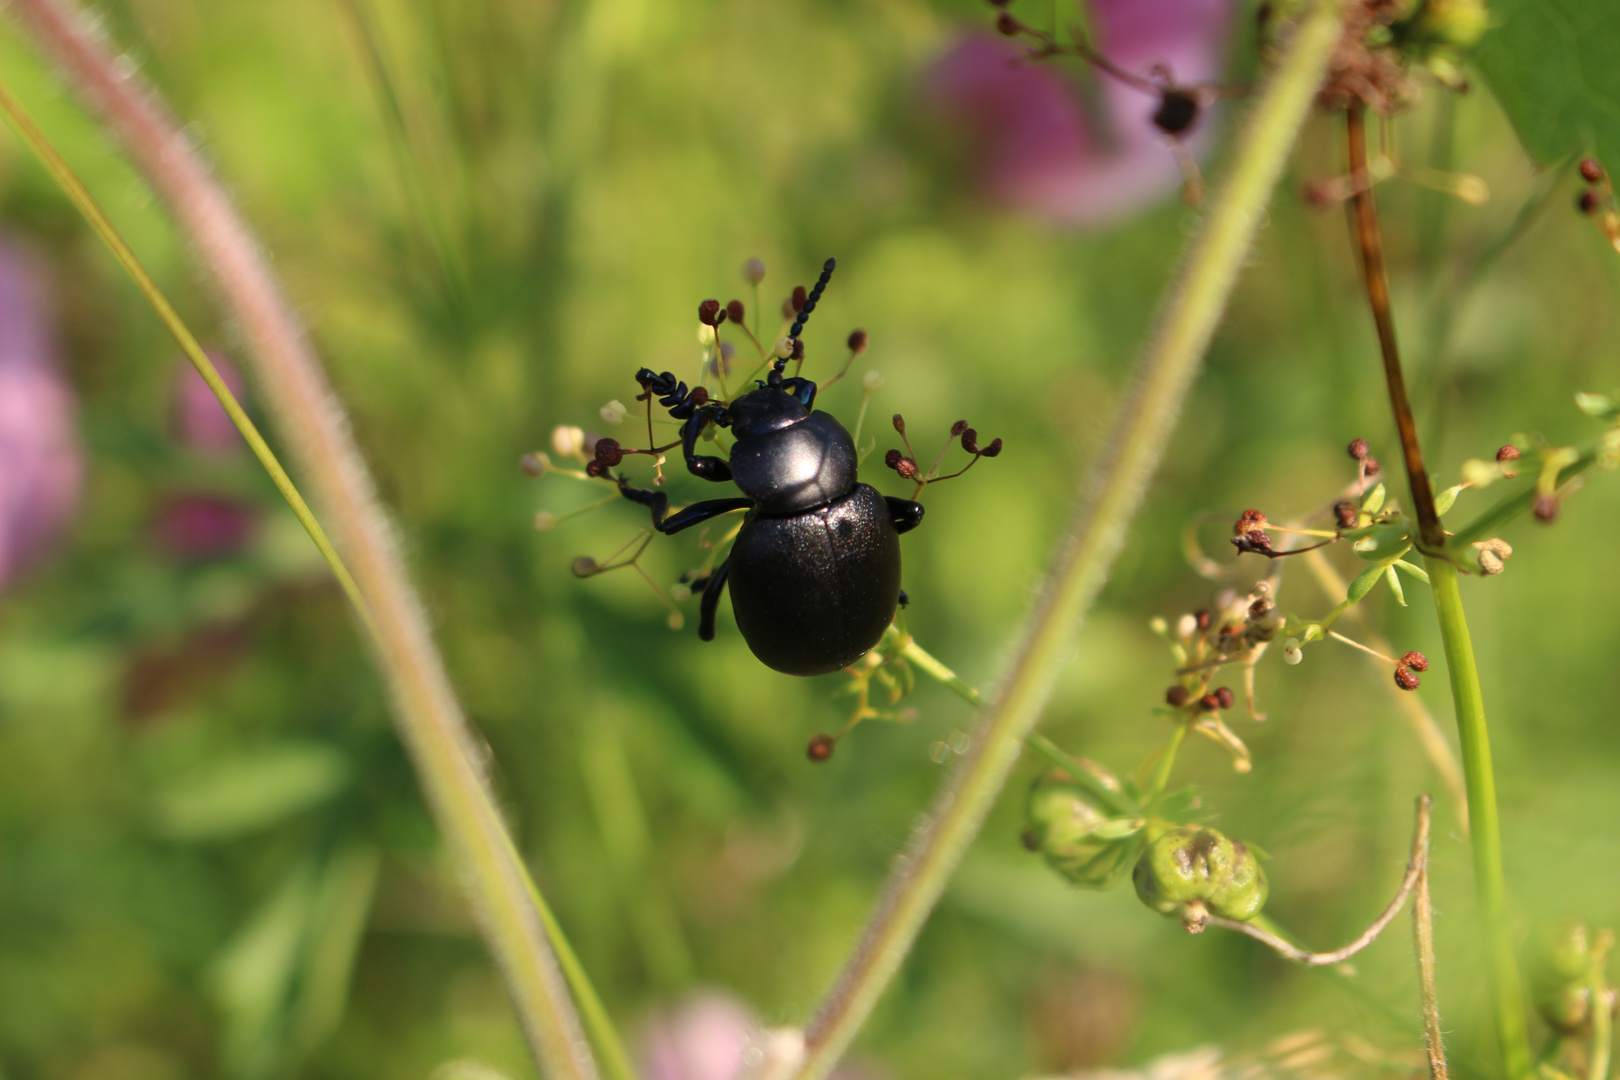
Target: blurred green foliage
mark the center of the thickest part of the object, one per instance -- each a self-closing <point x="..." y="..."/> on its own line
<point x="490" y="216"/>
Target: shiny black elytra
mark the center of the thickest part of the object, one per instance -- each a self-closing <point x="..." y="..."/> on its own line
<point x="815" y="570"/>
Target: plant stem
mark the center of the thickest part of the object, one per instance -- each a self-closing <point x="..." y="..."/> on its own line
<point x="1107" y="501"/>
<point x="1487" y="829"/>
<point x="430" y="720"/>
<point x="1465" y="691"/>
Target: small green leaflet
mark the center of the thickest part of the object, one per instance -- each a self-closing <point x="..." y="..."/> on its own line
<point x="1363" y="583"/>
<point x="1416" y="571"/>
<point x="1394" y="580"/>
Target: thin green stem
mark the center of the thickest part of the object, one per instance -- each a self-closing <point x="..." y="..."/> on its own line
<point x="1602" y="1018"/>
<point x="1117" y="801"/>
<point x="517" y="930"/>
<point x="1107" y="502"/>
<point x="1465" y="691"/>
<point x="1487" y="828"/>
<point x="1167" y="763"/>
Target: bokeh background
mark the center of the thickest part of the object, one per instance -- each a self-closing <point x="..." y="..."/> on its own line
<point x="213" y="858"/>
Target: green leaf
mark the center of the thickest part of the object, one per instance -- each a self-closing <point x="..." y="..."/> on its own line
<point x="1375" y="500"/>
<point x="1363" y="583"/>
<point x="1416" y="571"/>
<point x="235" y="797"/>
<point x="1446" y="499"/>
<point x="1394" y="580"/>
<point x="1555" y="67"/>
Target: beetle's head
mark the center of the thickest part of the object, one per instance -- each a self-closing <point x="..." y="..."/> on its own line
<point x="767" y="409"/>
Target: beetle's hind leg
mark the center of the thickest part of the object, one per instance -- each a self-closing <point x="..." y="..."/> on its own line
<point x="905" y="514"/>
<point x="711" y="600"/>
<point x="684" y="518"/>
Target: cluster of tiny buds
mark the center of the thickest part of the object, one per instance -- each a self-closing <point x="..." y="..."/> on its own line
<point x="1178" y="696"/>
<point x="1249" y="534"/>
<point x="906" y="465"/>
<point x="1596" y="200"/>
<point x="1360" y="451"/>
<point x="1406" y="671"/>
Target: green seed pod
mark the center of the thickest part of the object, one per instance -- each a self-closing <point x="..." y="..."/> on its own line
<point x="1078" y="839"/>
<point x="1194" y="873"/>
<point x="1560" y="966"/>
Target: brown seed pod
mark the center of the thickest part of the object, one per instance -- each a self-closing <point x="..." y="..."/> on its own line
<point x="1591" y="171"/>
<point x="1359" y="449"/>
<point x="735" y="311"/>
<point x="1176" y="696"/>
<point x="1224" y="697"/>
<point x="1416" y="661"/>
<point x="709" y="312"/>
<point x="1508" y="453"/>
<point x="608" y="452"/>
<point x="820" y="748"/>
<point x="1346" y="513"/>
<point x="857" y="341"/>
<point x="1406" y="678"/>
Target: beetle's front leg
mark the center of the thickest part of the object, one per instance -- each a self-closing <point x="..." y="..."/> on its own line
<point x="684" y="518"/>
<point x="905" y="514"/>
<point x="704" y="467"/>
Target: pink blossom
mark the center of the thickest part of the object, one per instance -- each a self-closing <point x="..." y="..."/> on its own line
<point x="41" y="462"/>
<point x="200" y="421"/>
<point x="1034" y="143"/>
<point x="193" y="526"/>
<point x="703" y="1038"/>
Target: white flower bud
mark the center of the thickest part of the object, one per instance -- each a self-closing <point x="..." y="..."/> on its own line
<point x="1292" y="653"/>
<point x="568" y="441"/>
<point x="1186" y="626"/>
<point x="872" y="382"/>
<point x="783" y="349"/>
<point x="680" y="593"/>
<point x="613" y="412"/>
<point x="544" y="522"/>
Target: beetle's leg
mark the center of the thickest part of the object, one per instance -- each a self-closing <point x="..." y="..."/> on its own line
<point x="706" y="468"/>
<point x="905" y="600"/>
<point x="684" y="518"/>
<point x="803" y="389"/>
<point x="907" y="515"/>
<point x="711" y="600"/>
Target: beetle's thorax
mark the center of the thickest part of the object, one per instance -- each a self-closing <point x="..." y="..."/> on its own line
<point x="795" y="467"/>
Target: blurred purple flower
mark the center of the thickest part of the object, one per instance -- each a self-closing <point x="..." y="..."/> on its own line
<point x="41" y="463"/>
<point x="706" y="1037"/>
<point x="1035" y="144"/>
<point x="193" y="526"/>
<point x="703" y="1038"/>
<point x="200" y="421"/>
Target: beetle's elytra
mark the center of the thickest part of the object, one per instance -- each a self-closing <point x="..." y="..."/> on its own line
<point x="815" y="570"/>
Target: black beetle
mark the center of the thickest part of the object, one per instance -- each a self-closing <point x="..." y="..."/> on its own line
<point x="815" y="570"/>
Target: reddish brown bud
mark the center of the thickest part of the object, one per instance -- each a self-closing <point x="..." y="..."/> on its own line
<point x="1006" y="25"/>
<point x="1224" y="697"/>
<point x="798" y="350"/>
<point x="799" y="298"/>
<point x="1176" y="696"/>
<point x="958" y="427"/>
<point x="892" y="459"/>
<point x="709" y="312"/>
<point x="820" y="748"/>
<point x="1346" y="513"/>
<point x="595" y="468"/>
<point x="1372" y="466"/>
<point x="970" y="441"/>
<point x="1416" y="661"/>
<point x="608" y="452"/>
<point x="1591" y="171"/>
<point x="1406" y="678"/>
<point x="899" y="423"/>
<point x="993" y="449"/>
<point x="1508" y="453"/>
<point x="1359" y="449"/>
<point x="1260" y="608"/>
<point x="1210" y="702"/>
<point x="1248" y="522"/>
<point x="787" y="308"/>
<point x="1545" y="509"/>
<point x="1587" y="202"/>
<point x="1202" y="619"/>
<point x="857" y="341"/>
<point x="735" y="311"/>
<point x="906" y="468"/>
<point x="699" y="396"/>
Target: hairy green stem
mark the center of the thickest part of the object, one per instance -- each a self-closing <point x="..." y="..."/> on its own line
<point x="1107" y="502"/>
<point x="517" y="928"/>
<point x="1487" y="827"/>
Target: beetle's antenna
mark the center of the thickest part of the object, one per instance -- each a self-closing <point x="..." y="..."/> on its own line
<point x="827" y="269"/>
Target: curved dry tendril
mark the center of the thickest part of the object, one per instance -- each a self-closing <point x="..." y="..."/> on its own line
<point x="1417" y="868"/>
